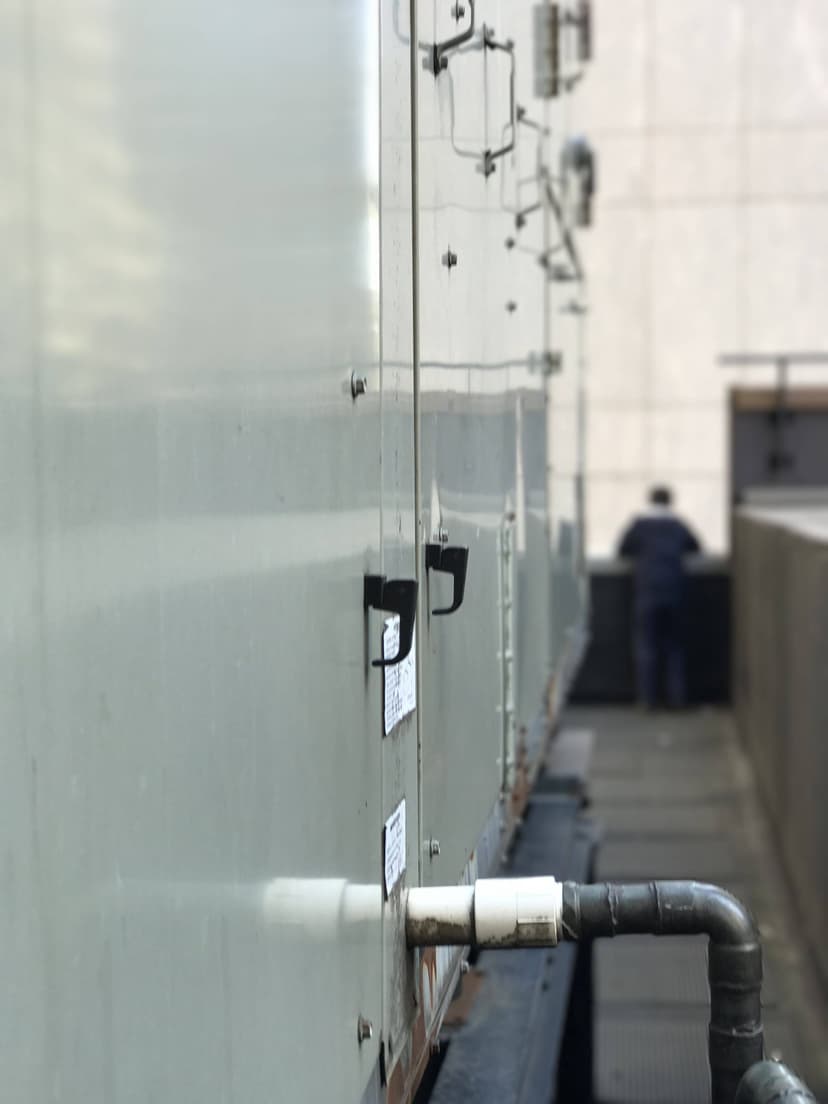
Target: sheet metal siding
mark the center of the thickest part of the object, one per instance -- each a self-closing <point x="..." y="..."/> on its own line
<point x="781" y="637"/>
<point x="206" y="230"/>
<point x="190" y="501"/>
<point x="399" y="750"/>
<point x="485" y="419"/>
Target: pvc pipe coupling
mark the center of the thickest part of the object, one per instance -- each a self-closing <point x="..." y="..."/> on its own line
<point x="494" y="912"/>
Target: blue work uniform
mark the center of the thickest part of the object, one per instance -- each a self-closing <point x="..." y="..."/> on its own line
<point x="658" y="542"/>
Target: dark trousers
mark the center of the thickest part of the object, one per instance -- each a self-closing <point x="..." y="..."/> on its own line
<point x="659" y="646"/>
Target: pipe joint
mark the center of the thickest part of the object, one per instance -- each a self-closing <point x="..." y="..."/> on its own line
<point x="539" y="912"/>
<point x="771" y="1083"/>
<point x="494" y="912"/>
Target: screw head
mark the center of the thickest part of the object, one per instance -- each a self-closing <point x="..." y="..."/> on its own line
<point x="511" y="306"/>
<point x="449" y="259"/>
<point x="434" y="848"/>
<point x="365" y="1030"/>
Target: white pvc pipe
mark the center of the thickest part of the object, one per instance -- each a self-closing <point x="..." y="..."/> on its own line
<point x="494" y="912"/>
<point x="440" y="916"/>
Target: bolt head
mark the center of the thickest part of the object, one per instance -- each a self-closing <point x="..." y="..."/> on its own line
<point x="365" y="1030"/>
<point x="434" y="848"/>
<point x="359" y="385"/>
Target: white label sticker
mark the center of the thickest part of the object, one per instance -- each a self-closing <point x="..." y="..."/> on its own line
<point x="393" y="845"/>
<point x="401" y="679"/>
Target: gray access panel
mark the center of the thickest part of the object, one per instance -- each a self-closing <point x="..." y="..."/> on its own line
<point x="194" y="781"/>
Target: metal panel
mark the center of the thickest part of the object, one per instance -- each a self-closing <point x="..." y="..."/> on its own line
<point x="485" y="323"/>
<point x="191" y="746"/>
<point x="207" y="230"/>
<point x="463" y="451"/>
<point x="400" y="749"/>
<point x="780" y="575"/>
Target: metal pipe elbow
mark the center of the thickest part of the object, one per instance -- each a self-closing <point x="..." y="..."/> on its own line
<point x="721" y="916"/>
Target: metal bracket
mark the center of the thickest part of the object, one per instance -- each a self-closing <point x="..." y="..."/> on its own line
<point x="394" y="596"/>
<point x="567" y="240"/>
<point x="521" y="215"/>
<point x="454" y="560"/>
<point x="549" y="363"/>
<point x="560" y="273"/>
<point x="569" y="83"/>
<point x="522" y="117"/>
<point x="574" y="307"/>
<point x="581" y="20"/>
<point x="439" y="61"/>
<point x="508" y="47"/>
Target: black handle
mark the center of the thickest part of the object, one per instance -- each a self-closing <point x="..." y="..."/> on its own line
<point x="454" y="560"/>
<point x="396" y="596"/>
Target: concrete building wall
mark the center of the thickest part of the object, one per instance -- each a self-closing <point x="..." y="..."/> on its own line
<point x="710" y="118"/>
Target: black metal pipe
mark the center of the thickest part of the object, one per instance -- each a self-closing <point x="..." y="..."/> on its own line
<point x="772" y="1083"/>
<point x="734" y="957"/>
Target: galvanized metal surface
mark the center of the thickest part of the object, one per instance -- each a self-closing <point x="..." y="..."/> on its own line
<point x="780" y="579"/>
<point x="485" y="320"/>
<point x="190" y="499"/>
<point x="208" y="431"/>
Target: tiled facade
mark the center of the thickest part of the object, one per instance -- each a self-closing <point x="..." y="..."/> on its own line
<point x="710" y="118"/>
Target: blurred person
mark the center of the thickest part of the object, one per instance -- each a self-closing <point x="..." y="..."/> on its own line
<point x="657" y="541"/>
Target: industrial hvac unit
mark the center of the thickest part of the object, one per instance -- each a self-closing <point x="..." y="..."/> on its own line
<point x="292" y="312"/>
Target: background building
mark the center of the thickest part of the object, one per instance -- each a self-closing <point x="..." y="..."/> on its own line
<point x="711" y="234"/>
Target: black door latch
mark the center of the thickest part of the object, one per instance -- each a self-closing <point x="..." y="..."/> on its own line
<point x="454" y="560"/>
<point x="395" y="596"/>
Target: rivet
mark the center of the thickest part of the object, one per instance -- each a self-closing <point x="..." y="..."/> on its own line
<point x="359" y="385"/>
<point x="365" y="1030"/>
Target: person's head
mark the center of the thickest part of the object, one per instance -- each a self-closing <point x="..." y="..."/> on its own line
<point x="661" y="496"/>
